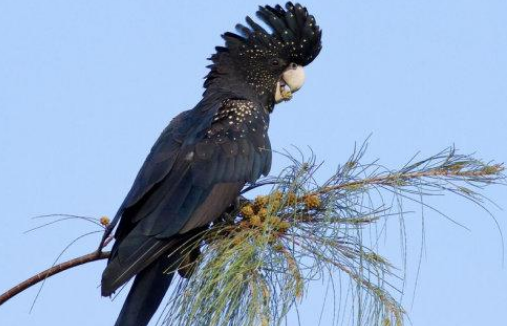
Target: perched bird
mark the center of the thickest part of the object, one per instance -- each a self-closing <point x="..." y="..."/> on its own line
<point x="206" y="155"/>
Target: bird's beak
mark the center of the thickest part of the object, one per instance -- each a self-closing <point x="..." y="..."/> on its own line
<point x="291" y="81"/>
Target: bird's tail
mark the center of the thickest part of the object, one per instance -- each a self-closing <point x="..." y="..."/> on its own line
<point x="154" y="262"/>
<point x="129" y="258"/>
<point x="147" y="292"/>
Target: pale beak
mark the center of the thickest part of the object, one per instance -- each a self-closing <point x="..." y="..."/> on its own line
<point x="291" y="81"/>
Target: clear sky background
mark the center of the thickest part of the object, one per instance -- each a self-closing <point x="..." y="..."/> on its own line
<point x="87" y="86"/>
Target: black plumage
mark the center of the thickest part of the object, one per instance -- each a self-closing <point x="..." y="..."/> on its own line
<point x="206" y="155"/>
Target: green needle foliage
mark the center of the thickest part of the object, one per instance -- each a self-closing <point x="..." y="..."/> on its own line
<point x="258" y="261"/>
<point x="255" y="264"/>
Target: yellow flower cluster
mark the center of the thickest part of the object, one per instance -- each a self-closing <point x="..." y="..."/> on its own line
<point x="104" y="221"/>
<point x="312" y="201"/>
<point x="263" y="210"/>
<point x="292" y="199"/>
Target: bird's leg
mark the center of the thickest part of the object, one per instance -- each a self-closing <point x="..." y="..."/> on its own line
<point x="108" y="236"/>
<point x="229" y="216"/>
<point x="188" y="262"/>
<point x="107" y="240"/>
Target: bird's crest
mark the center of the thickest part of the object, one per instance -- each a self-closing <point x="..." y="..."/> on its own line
<point x="294" y="36"/>
<point x="294" y="33"/>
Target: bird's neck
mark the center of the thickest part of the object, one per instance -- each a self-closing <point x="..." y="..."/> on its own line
<point x="235" y="87"/>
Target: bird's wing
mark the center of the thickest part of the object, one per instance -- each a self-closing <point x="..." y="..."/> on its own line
<point x="199" y="149"/>
<point x="193" y="173"/>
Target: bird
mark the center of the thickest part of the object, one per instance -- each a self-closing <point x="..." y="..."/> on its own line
<point x="206" y="155"/>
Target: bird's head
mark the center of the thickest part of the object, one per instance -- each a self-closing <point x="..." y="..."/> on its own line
<point x="269" y="64"/>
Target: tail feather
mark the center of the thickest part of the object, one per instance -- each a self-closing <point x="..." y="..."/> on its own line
<point x="119" y="271"/>
<point x="153" y="262"/>
<point x="147" y="292"/>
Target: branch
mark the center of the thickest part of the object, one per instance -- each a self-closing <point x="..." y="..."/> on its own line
<point x="91" y="257"/>
<point x="257" y="260"/>
<point x="396" y="179"/>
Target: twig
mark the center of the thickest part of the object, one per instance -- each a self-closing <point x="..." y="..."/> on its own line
<point x="391" y="179"/>
<point x="299" y="225"/>
<point x="91" y="257"/>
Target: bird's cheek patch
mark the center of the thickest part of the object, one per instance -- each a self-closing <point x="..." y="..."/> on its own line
<point x="290" y="82"/>
<point x="294" y="77"/>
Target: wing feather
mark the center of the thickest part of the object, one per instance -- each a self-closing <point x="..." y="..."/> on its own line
<point x="193" y="173"/>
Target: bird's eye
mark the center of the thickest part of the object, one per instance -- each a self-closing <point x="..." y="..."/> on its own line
<point x="275" y="62"/>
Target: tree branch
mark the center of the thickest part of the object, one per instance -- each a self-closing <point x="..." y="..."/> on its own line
<point x="394" y="179"/>
<point x="91" y="257"/>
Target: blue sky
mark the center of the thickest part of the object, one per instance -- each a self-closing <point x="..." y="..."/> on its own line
<point x="87" y="86"/>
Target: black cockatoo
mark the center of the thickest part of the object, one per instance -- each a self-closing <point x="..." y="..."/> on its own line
<point x="206" y="155"/>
